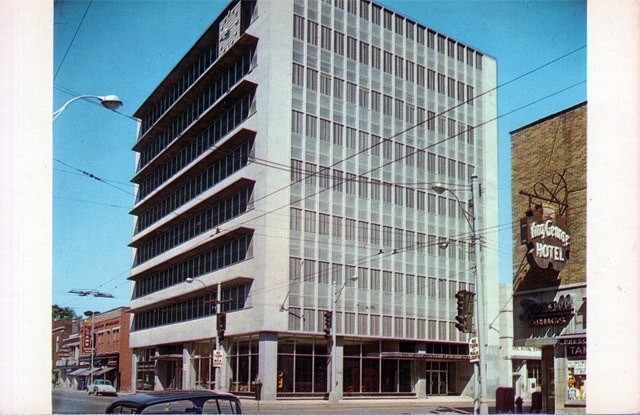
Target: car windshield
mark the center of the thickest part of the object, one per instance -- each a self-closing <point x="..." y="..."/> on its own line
<point x="219" y="406"/>
<point x="102" y="382"/>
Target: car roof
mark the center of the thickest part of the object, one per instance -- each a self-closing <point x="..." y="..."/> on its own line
<point x="150" y="398"/>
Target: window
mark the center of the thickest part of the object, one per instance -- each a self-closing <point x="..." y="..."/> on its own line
<point x="337" y="227"/>
<point x="350" y="229"/>
<point x="338" y="43"/>
<point x="375" y="57"/>
<point x="388" y="62"/>
<point x="441" y="83"/>
<point x="311" y="128"/>
<point x="324" y="176"/>
<point x="325" y="84"/>
<point x="388" y="17"/>
<point x="312" y="79"/>
<point x="312" y="32"/>
<point x="351" y="92"/>
<point x="399" y="24"/>
<point x="470" y="95"/>
<point x="451" y="87"/>
<point x="295" y="219"/>
<point x="387" y="105"/>
<point x="364" y="53"/>
<point x="338" y="87"/>
<point x="298" y="75"/>
<point x="325" y="130"/>
<point x="399" y="66"/>
<point x="310" y="221"/>
<point x="324" y="224"/>
<point x="375" y="101"/>
<point x="421" y="75"/>
<point x="296" y="122"/>
<point x="337" y="134"/>
<point x="325" y="38"/>
<point x="338" y="179"/>
<point x="352" y="46"/>
<point x="298" y="27"/>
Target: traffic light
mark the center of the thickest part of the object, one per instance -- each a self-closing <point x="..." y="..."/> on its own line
<point x="328" y="316"/>
<point x="464" y="319"/>
<point x="221" y="324"/>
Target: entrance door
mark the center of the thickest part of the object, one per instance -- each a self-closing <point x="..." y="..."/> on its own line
<point x="437" y="378"/>
<point x="173" y="376"/>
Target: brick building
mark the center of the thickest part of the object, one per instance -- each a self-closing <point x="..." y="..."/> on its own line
<point x="60" y="353"/>
<point x="548" y="176"/>
<point x="112" y="359"/>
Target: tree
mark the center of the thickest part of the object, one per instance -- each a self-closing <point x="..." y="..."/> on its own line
<point x="58" y="312"/>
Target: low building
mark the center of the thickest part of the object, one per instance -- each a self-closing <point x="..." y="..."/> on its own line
<point x="548" y="176"/>
<point x="60" y="353"/>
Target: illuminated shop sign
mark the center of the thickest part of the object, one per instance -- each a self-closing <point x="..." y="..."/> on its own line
<point x="547" y="238"/>
<point x="552" y="313"/>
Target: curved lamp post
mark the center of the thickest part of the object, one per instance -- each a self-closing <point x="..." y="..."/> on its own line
<point x="480" y="389"/>
<point x="111" y="102"/>
<point x="334" y="329"/>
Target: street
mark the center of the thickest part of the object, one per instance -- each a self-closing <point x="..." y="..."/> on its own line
<point x="71" y="401"/>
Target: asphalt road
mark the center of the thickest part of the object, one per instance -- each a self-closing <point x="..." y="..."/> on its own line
<point x="70" y="401"/>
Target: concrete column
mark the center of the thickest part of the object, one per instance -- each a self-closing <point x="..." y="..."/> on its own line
<point x="188" y="370"/>
<point x="223" y="375"/>
<point x="134" y="371"/>
<point x="157" y="385"/>
<point x="338" y="391"/>
<point x="268" y="365"/>
<point x="420" y="368"/>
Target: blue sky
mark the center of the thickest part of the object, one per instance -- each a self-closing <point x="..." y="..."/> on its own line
<point x="127" y="47"/>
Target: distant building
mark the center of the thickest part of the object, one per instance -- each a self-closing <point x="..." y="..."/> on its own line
<point x="271" y="171"/>
<point x="112" y="357"/>
<point x="548" y="162"/>
<point x="61" y="357"/>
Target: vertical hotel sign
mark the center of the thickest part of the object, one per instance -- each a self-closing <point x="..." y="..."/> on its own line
<point x="86" y="337"/>
<point x="547" y="238"/>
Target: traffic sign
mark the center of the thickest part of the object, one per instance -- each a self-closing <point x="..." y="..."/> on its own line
<point x="474" y="349"/>
<point x="217" y="358"/>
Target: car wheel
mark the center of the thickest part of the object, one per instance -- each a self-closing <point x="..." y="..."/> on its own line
<point x="95" y="390"/>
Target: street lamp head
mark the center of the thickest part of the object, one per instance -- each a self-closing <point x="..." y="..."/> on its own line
<point x="189" y="280"/>
<point x="438" y="188"/>
<point x="111" y="102"/>
<point x="89" y="313"/>
<point x="354" y="278"/>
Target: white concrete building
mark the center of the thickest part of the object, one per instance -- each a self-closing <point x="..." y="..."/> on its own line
<point x="291" y="150"/>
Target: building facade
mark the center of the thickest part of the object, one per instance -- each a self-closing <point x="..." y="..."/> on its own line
<point x="548" y="162"/>
<point x="284" y="172"/>
<point x="61" y="354"/>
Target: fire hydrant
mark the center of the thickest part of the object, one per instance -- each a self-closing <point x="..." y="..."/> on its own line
<point x="519" y="405"/>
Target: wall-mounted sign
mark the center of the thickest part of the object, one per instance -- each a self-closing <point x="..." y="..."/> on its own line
<point x="229" y="30"/>
<point x="575" y="347"/>
<point x="547" y="238"/>
<point x="552" y="313"/>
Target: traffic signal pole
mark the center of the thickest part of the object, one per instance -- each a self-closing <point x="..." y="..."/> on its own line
<point x="480" y="403"/>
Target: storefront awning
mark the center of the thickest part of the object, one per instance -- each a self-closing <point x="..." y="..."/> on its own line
<point x="167" y="357"/>
<point x="103" y="371"/>
<point x="424" y="356"/>
<point x="79" y="372"/>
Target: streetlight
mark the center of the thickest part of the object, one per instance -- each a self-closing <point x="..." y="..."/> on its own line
<point x="480" y="405"/>
<point x="111" y="102"/>
<point x="93" y="351"/>
<point x="334" y="329"/>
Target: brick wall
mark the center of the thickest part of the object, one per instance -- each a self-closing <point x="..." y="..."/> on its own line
<point x="554" y="144"/>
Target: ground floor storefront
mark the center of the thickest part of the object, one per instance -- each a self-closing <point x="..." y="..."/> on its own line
<point x="293" y="366"/>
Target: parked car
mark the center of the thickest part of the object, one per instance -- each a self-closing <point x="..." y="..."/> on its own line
<point x="176" y="402"/>
<point x="101" y="386"/>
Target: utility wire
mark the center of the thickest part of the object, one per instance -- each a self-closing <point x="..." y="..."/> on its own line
<point x="72" y="40"/>
<point x="92" y="176"/>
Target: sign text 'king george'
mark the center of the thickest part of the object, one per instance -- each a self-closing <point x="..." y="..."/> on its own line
<point x="547" y="240"/>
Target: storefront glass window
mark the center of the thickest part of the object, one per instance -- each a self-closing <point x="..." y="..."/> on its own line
<point x="302" y="366"/>
<point x="145" y="369"/>
<point x="243" y="359"/>
<point x="203" y="365"/>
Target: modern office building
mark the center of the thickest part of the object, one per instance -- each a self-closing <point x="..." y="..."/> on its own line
<point x="284" y="173"/>
<point x="548" y="178"/>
